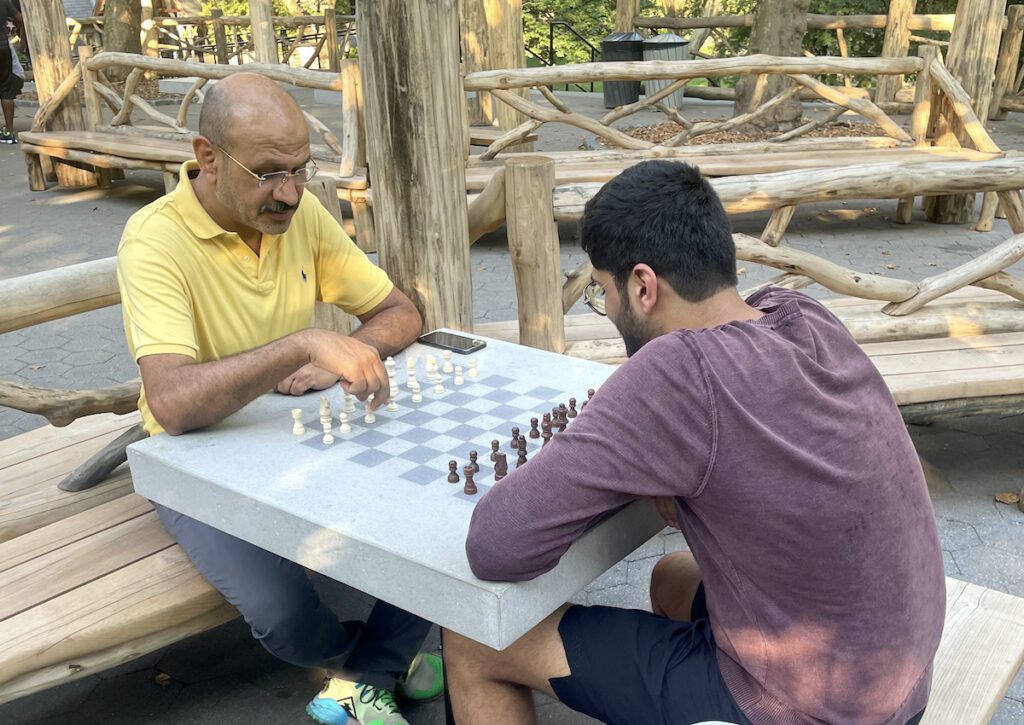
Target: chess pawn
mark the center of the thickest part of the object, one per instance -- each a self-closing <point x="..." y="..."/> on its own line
<point x="546" y="420"/>
<point x="350" y="403"/>
<point x="297" y="427"/>
<point x="590" y="393"/>
<point x="500" y="466"/>
<point x="453" y="474"/>
<point x="411" y="380"/>
<point x="369" y="417"/>
<point x="515" y="438"/>
<point x="458" y="375"/>
<point x="470" y="487"/>
<point x="344" y="427"/>
<point x="572" y="413"/>
<point x="494" y="450"/>
<point x="472" y="372"/>
<point x="446" y="367"/>
<point x="583" y="405"/>
<point x="563" y="420"/>
<point x="417" y="397"/>
<point x="534" y="430"/>
<point x="439" y="388"/>
<point x="473" y="463"/>
<point x="546" y="433"/>
<point x="328" y="437"/>
<point x="522" y="453"/>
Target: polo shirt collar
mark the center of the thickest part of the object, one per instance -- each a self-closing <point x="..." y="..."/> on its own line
<point x="198" y="220"/>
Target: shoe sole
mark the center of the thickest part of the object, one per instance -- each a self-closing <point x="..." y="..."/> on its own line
<point x="328" y="712"/>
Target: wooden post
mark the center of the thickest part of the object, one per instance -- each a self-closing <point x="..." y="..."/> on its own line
<point x="920" y="120"/>
<point x="261" y="18"/>
<point x="93" y="112"/>
<point x="149" y="37"/>
<point x="895" y="45"/>
<point x="492" y="38"/>
<point x="973" y="48"/>
<point x="412" y="90"/>
<point x="1009" y="57"/>
<point x="353" y="146"/>
<point x="220" y="36"/>
<point x="533" y="246"/>
<point x="625" y="11"/>
<point x="331" y="44"/>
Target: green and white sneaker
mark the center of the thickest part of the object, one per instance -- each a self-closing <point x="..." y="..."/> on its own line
<point x="424" y="680"/>
<point x="6" y="136"/>
<point x="343" y="699"/>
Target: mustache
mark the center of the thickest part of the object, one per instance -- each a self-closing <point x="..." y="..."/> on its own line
<point x="277" y="207"/>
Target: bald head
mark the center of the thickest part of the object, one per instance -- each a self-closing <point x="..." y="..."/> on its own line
<point x="234" y="108"/>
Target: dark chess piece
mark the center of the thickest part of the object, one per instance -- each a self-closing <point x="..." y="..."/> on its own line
<point x="583" y="405"/>
<point x="453" y="474"/>
<point x="546" y="420"/>
<point x="473" y="463"/>
<point x="470" y="487"/>
<point x="590" y="393"/>
<point x="534" y="430"/>
<point x="500" y="466"/>
<point x="546" y="434"/>
<point x="563" y="420"/>
<point x="515" y="437"/>
<point x="522" y="453"/>
<point x="494" y="450"/>
<point x="572" y="412"/>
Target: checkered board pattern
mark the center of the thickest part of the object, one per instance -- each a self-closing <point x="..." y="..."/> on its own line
<point x="416" y="442"/>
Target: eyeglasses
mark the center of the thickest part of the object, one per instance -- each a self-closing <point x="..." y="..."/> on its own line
<point x="593" y="297"/>
<point x="277" y="179"/>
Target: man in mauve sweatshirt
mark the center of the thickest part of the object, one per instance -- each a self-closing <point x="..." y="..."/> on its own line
<point x="813" y="590"/>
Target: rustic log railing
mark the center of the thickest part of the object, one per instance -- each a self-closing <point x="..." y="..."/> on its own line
<point x="217" y="38"/>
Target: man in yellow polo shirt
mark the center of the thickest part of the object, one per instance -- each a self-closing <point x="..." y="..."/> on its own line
<point x="218" y="280"/>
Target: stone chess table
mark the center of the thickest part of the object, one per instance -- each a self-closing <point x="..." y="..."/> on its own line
<point x="374" y="509"/>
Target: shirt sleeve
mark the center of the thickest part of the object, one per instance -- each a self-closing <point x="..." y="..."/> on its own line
<point x="649" y="431"/>
<point x="345" y="275"/>
<point x="157" y="308"/>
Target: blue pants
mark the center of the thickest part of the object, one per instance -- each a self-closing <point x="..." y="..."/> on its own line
<point x="286" y="615"/>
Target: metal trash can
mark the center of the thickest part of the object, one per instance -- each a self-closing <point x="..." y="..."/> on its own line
<point x="622" y="46"/>
<point x="667" y="46"/>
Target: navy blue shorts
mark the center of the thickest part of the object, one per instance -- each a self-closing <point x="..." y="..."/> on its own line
<point x="630" y="667"/>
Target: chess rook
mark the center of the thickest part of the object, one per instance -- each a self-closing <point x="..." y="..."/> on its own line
<point x="470" y="486"/>
<point x="297" y="427"/>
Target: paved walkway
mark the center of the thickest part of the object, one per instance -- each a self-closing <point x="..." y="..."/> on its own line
<point x="224" y="677"/>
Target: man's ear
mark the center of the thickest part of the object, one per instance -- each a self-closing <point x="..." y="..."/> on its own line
<point x="206" y="155"/>
<point x="644" y="288"/>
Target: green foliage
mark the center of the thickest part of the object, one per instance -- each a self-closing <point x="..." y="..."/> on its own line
<point x="593" y="19"/>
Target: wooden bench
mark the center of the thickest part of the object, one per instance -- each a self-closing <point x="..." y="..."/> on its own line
<point x="99" y="582"/>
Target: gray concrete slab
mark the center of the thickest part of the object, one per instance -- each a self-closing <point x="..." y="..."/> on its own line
<point x="224" y="676"/>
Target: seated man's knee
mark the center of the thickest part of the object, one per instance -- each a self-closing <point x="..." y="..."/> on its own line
<point x="289" y="625"/>
<point x="674" y="581"/>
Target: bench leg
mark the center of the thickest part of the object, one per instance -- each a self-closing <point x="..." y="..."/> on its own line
<point x="49" y="171"/>
<point x="362" y="217"/>
<point x="104" y="179"/>
<point x="170" y="181"/>
<point x="776" y="226"/>
<point x="905" y="210"/>
<point x="988" y="212"/>
<point x="36" y="176"/>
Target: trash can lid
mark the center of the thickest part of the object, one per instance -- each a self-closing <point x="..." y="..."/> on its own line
<point x="670" y="39"/>
<point x="622" y="36"/>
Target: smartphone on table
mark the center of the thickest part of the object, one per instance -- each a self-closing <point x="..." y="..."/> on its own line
<point x="462" y="344"/>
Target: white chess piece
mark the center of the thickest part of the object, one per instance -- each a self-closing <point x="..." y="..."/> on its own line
<point x="328" y="438"/>
<point x="297" y="427"/>
<point x="325" y="422"/>
<point x="447" y="366"/>
<point x="439" y="388"/>
<point x="416" y="396"/>
<point x="412" y="382"/>
<point x="458" y="375"/>
<point x="472" y="373"/>
<point x="350" y="404"/>
<point x="325" y="407"/>
<point x="344" y="427"/>
<point x="369" y="417"/>
<point x="392" y="405"/>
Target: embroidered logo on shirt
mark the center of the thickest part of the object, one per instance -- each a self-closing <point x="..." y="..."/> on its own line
<point x="303" y="271"/>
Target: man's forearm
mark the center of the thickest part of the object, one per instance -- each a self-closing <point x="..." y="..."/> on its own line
<point x="196" y="395"/>
<point x="390" y="331"/>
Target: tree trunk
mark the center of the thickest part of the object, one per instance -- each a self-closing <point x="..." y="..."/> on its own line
<point x="779" y="28"/>
<point x="122" y="28"/>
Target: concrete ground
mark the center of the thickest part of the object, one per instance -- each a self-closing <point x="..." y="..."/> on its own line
<point x="224" y="677"/>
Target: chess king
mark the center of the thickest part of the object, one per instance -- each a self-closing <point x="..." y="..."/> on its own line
<point x="813" y="587"/>
<point x="218" y="280"/>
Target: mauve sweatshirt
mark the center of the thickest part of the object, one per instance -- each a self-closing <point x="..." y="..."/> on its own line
<point x="799" y="493"/>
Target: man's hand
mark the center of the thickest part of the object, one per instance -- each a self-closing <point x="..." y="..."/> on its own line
<point x="308" y="377"/>
<point x="666" y="506"/>
<point x="356" y="363"/>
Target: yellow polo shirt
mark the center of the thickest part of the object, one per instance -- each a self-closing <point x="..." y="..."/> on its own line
<point x="190" y="287"/>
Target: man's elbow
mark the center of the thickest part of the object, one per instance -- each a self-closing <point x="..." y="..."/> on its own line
<point x="165" y="414"/>
<point x="412" y="322"/>
<point x="492" y="560"/>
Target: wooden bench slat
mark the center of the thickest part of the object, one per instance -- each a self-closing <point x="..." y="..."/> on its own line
<point x="910" y="347"/>
<point x="996" y="354"/>
<point x="982" y="649"/>
<point x="70" y="530"/>
<point x="159" y="593"/>
<point x="57" y="572"/>
<point x="927" y="386"/>
<point x="48" y="439"/>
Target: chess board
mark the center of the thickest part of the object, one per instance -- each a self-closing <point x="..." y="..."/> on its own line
<point x="416" y="442"/>
<point x="374" y="509"/>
